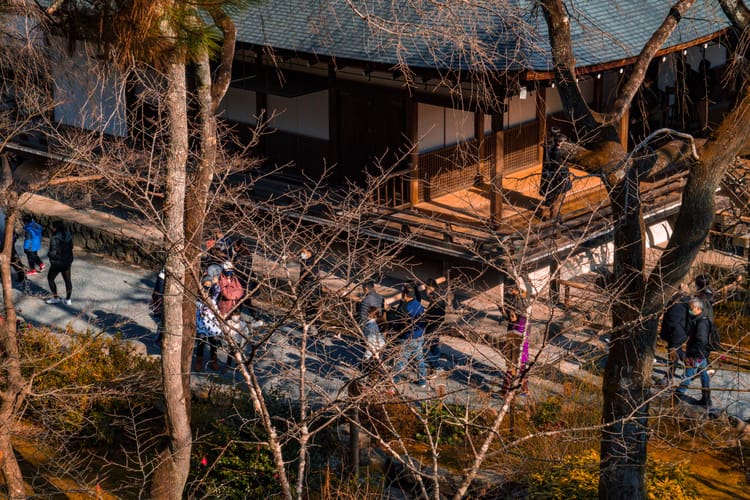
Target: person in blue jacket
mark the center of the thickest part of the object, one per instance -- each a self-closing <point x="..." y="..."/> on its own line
<point x="32" y="242"/>
<point x="413" y="347"/>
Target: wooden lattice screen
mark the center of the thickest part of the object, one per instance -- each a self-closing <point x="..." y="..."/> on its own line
<point x="521" y="147"/>
<point x="456" y="167"/>
<point x="447" y="170"/>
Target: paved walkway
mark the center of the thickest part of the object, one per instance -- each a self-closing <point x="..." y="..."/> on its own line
<point x="113" y="297"/>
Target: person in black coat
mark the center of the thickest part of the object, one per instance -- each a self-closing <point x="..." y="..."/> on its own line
<point x="434" y="320"/>
<point x="61" y="260"/>
<point x="674" y="331"/>
<point x="696" y="356"/>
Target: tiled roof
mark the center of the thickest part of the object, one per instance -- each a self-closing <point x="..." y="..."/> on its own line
<point x="464" y="34"/>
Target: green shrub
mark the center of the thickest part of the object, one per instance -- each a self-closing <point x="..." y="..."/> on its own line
<point x="232" y="461"/>
<point x="577" y="477"/>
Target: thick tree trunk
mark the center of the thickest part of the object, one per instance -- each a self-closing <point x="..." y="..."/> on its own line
<point x="625" y="384"/>
<point x="195" y="206"/>
<point x="172" y="472"/>
<point x="16" y="386"/>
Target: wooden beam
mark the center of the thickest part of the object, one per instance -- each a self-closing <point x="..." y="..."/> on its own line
<point x="412" y="131"/>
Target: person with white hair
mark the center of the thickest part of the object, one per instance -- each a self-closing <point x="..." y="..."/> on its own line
<point x="696" y="360"/>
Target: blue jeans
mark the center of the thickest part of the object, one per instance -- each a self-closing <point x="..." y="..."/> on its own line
<point x="413" y="349"/>
<point x="697" y="364"/>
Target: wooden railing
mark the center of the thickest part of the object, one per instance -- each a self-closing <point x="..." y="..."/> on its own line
<point x="393" y="190"/>
<point x="448" y="170"/>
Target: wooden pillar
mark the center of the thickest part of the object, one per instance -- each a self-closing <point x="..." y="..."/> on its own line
<point x="496" y="180"/>
<point x="598" y="92"/>
<point x="333" y="117"/>
<point x="261" y="98"/>
<point x="479" y="138"/>
<point x="541" y="119"/>
<point x="412" y="132"/>
<point x="625" y="128"/>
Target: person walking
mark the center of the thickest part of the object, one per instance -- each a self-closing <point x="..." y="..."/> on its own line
<point x="674" y="331"/>
<point x="704" y="292"/>
<point x="32" y="242"/>
<point x="231" y="290"/>
<point x="516" y="345"/>
<point x="696" y="356"/>
<point x="207" y="330"/>
<point x="61" y="260"/>
<point x="15" y="260"/>
<point x="374" y="339"/>
<point x="370" y="299"/>
<point x="413" y="346"/>
<point x="436" y="296"/>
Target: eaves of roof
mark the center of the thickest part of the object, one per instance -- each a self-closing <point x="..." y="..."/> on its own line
<point x="472" y="35"/>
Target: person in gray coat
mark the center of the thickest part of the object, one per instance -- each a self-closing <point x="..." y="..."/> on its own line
<point x="370" y="299"/>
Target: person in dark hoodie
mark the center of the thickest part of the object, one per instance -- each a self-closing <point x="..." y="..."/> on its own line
<point x="61" y="260"/>
<point x="674" y="331"/>
<point x="696" y="360"/>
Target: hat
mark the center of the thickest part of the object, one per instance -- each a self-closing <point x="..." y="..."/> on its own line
<point x="227" y="266"/>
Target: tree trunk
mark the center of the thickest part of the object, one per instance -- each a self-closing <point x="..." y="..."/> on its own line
<point x="171" y="474"/>
<point x="195" y="207"/>
<point x="16" y="386"/>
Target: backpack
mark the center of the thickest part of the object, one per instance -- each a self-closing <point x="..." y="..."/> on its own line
<point x="679" y="305"/>
<point x="714" y="338"/>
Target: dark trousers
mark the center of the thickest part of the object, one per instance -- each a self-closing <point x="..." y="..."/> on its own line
<point x="34" y="260"/>
<point x="200" y="345"/>
<point x="53" y="272"/>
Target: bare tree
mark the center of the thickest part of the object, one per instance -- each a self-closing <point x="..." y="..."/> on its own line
<point x="627" y="377"/>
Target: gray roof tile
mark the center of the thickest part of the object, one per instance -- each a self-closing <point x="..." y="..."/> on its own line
<point x="465" y="34"/>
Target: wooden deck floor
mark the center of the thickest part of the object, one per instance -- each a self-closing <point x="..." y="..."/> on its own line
<point x="520" y="199"/>
<point x="458" y="225"/>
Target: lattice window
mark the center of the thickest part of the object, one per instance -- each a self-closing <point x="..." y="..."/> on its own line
<point x="521" y="147"/>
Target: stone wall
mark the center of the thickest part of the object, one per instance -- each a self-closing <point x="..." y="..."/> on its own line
<point x="99" y="232"/>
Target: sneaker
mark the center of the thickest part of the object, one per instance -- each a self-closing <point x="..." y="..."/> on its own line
<point x="67" y="302"/>
<point x="257" y="323"/>
<point x="32" y="272"/>
<point x="54" y="300"/>
<point x="422" y="383"/>
<point x="41" y="267"/>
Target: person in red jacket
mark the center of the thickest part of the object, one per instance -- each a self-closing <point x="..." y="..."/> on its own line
<point x="231" y="290"/>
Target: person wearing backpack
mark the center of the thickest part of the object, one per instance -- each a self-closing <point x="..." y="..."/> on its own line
<point x="61" y="260"/>
<point x="696" y="360"/>
<point x="706" y="294"/>
<point x="32" y="242"/>
<point x="674" y="331"/>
